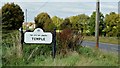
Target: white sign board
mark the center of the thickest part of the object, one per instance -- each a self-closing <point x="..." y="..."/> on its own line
<point x="38" y="36"/>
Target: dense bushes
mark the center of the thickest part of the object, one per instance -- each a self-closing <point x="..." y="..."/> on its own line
<point x="67" y="40"/>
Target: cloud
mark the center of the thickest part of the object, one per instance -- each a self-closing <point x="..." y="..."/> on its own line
<point x="107" y="7"/>
<point x="65" y="9"/>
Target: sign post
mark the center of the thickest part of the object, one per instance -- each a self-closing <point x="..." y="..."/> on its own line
<point x="22" y="37"/>
<point x="54" y="43"/>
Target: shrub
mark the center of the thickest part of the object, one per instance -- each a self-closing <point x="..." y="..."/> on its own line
<point x="68" y="40"/>
<point x="11" y="47"/>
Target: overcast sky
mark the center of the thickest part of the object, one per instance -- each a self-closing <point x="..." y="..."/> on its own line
<point x="64" y="8"/>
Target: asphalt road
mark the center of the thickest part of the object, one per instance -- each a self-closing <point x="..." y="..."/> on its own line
<point x="103" y="46"/>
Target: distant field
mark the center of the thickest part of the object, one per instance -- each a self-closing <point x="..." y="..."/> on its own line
<point x="111" y="40"/>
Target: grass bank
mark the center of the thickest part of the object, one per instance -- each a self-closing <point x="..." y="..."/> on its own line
<point x="86" y="57"/>
<point x="111" y="40"/>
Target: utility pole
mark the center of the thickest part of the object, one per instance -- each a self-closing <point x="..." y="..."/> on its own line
<point x="97" y="23"/>
<point x="26" y="15"/>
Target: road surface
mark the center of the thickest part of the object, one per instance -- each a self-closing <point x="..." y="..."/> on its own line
<point x="103" y="46"/>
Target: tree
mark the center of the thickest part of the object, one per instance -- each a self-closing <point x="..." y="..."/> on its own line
<point x="0" y="19"/>
<point x="112" y="21"/>
<point x="12" y="19"/>
<point x="92" y="24"/>
<point x="57" y="21"/>
<point x="66" y="24"/>
<point x="80" y="22"/>
<point x="44" y="21"/>
<point x="75" y="22"/>
<point x="84" y="20"/>
<point x="12" y="16"/>
<point x="0" y="16"/>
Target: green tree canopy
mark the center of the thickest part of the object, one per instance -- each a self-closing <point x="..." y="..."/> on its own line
<point x="0" y="20"/>
<point x="92" y="23"/>
<point x="57" y="21"/>
<point x="75" y="22"/>
<point x="80" y="22"/>
<point x="12" y="16"/>
<point x="112" y="21"/>
<point x="66" y="24"/>
<point x="0" y="13"/>
<point x="84" y="20"/>
<point x="44" y="21"/>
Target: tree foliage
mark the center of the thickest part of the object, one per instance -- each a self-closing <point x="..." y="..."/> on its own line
<point x="92" y="23"/>
<point x="83" y="20"/>
<point x="44" y="21"/>
<point x="66" y="24"/>
<point x="0" y="19"/>
<point x="0" y="15"/>
<point x="112" y="21"/>
<point x="75" y="22"/>
<point x="80" y="22"/>
<point x="57" y="21"/>
<point x="12" y="16"/>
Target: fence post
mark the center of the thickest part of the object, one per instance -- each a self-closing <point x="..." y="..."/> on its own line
<point x="22" y="37"/>
<point x="54" y="43"/>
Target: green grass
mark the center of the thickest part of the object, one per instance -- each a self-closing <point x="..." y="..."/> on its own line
<point x="0" y="56"/>
<point x="111" y="40"/>
<point x="86" y="58"/>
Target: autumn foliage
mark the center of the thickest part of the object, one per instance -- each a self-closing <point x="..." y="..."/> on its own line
<point x="68" y="41"/>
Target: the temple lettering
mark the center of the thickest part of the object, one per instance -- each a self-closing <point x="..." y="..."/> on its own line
<point x="35" y="38"/>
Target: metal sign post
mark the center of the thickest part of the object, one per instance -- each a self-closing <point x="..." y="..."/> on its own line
<point x="54" y="43"/>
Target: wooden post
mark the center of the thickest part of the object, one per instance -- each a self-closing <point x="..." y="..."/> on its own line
<point x="97" y="24"/>
<point x="54" y="43"/>
<point x="20" y="44"/>
<point x="22" y="37"/>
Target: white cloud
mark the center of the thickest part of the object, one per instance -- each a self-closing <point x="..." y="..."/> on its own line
<point x="65" y="9"/>
<point x="109" y="5"/>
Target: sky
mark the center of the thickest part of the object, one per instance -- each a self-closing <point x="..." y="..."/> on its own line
<point x="63" y="9"/>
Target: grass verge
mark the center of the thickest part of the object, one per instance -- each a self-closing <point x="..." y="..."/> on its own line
<point x="86" y="57"/>
<point x="111" y="40"/>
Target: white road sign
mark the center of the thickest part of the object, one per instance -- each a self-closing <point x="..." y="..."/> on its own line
<point x="38" y="36"/>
